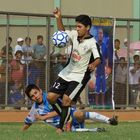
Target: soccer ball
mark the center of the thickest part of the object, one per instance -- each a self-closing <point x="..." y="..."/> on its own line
<point x="60" y="39"/>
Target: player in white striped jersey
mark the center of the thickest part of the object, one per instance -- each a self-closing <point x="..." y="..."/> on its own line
<point x="42" y="110"/>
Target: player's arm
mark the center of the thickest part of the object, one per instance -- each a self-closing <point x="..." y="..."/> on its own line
<point x="46" y="116"/>
<point x="26" y="126"/>
<point x="30" y="119"/>
<point x="2" y="53"/>
<point x="97" y="57"/>
<point x="94" y="64"/>
<point x="57" y="14"/>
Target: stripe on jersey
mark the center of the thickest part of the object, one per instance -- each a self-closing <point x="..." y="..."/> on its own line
<point x="75" y="91"/>
<point x="68" y="114"/>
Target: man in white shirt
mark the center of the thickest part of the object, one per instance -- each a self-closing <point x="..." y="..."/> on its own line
<point x="84" y="58"/>
<point x="134" y="81"/>
<point x="18" y="47"/>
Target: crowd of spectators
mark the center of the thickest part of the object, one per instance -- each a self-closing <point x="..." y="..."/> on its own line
<point x="126" y="71"/>
<point x="26" y="65"/>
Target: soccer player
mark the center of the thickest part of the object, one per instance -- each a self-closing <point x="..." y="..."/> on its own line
<point x="84" y="58"/>
<point x="42" y="110"/>
<point x="100" y="86"/>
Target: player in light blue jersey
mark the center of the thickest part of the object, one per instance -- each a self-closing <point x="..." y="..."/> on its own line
<point x="42" y="110"/>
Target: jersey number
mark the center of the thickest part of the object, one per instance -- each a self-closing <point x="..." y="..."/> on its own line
<point x="56" y="85"/>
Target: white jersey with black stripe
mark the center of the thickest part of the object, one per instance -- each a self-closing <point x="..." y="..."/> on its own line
<point x="80" y="57"/>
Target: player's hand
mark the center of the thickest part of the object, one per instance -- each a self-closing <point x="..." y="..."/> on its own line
<point x="39" y="117"/>
<point x="91" y="67"/>
<point x="57" y="12"/>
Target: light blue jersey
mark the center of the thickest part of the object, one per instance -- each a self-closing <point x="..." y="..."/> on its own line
<point x="46" y="108"/>
<point x="42" y="109"/>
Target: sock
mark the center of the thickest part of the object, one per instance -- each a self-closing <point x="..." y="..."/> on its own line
<point x="56" y="108"/>
<point x="65" y="114"/>
<point x="86" y="130"/>
<point x="96" y="116"/>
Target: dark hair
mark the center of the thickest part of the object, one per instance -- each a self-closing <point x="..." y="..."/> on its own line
<point x="84" y="19"/>
<point x="135" y="56"/>
<point x="39" y="36"/>
<point x="9" y="38"/>
<point x="122" y="58"/>
<point x="19" y="52"/>
<point x="27" y="38"/>
<point x="117" y="40"/>
<point x="29" y="88"/>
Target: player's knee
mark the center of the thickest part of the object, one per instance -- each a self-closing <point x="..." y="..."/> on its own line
<point x="79" y="115"/>
<point x="66" y="101"/>
<point x="51" y="98"/>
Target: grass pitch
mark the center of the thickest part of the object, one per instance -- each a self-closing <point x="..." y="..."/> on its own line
<point x="41" y="131"/>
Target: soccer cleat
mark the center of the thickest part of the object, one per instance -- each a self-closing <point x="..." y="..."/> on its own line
<point x="113" y="120"/>
<point x="101" y="130"/>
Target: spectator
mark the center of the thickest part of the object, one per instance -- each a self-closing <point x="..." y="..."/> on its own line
<point x="33" y="73"/>
<point x="125" y="42"/>
<point x="18" y="47"/>
<point x="39" y="48"/>
<point x="16" y="96"/>
<point x="134" y="79"/>
<point x="58" y="62"/>
<point x="120" y="82"/>
<point x="28" y="50"/>
<point x="39" y="54"/>
<point x="3" y="79"/>
<point x="136" y="57"/>
<point x="3" y="50"/>
<point x="117" y="48"/>
<point x="123" y="50"/>
<point x="17" y="69"/>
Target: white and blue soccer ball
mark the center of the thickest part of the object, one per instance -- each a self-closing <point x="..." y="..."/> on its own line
<point x="60" y="39"/>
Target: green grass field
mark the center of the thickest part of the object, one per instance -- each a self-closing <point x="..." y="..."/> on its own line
<point x="41" y="131"/>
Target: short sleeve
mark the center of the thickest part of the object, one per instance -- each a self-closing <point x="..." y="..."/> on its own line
<point x="30" y="118"/>
<point x="96" y="50"/>
<point x="18" y="48"/>
<point x="71" y="33"/>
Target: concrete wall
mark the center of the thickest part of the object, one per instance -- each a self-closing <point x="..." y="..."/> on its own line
<point x="115" y="8"/>
<point x="99" y="8"/>
<point x="28" y="6"/>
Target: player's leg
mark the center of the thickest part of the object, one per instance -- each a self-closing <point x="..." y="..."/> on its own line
<point x="56" y="91"/>
<point x="81" y="116"/>
<point x="78" y="118"/>
<point x="73" y="86"/>
<point x="89" y="130"/>
<point x="72" y="93"/>
<point x="97" y="89"/>
<point x="101" y="118"/>
<point x="52" y="98"/>
<point x="103" y="88"/>
<point x="96" y="117"/>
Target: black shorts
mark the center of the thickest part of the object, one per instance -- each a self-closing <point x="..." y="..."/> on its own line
<point x="71" y="88"/>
